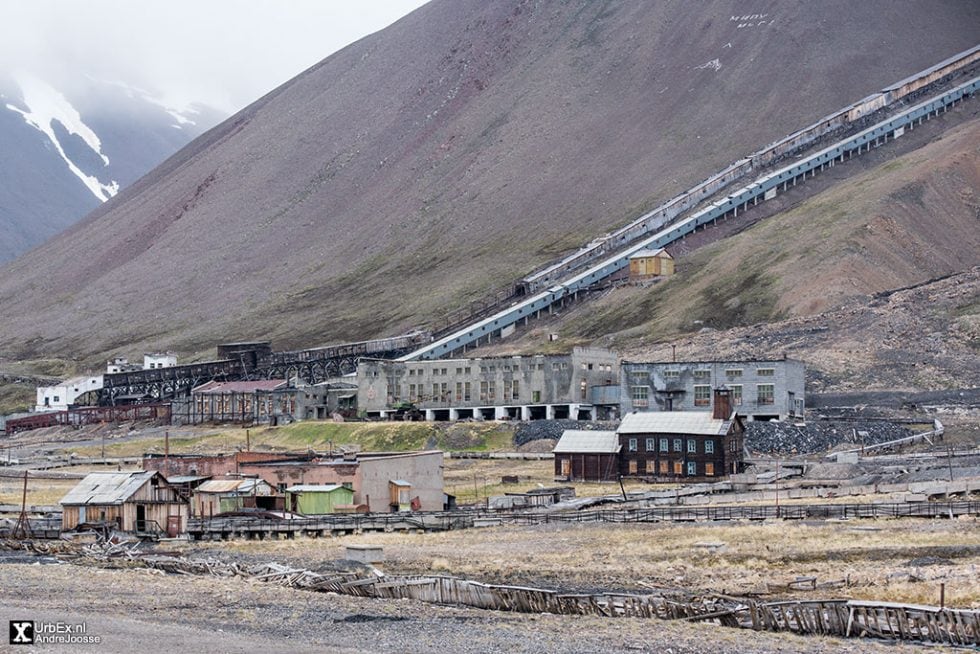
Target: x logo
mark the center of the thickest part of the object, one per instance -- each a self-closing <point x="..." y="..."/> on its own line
<point x="21" y="633"/>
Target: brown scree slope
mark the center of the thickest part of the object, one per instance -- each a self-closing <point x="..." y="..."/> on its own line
<point x="444" y="156"/>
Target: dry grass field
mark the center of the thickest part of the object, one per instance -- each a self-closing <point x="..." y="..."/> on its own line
<point x="888" y="560"/>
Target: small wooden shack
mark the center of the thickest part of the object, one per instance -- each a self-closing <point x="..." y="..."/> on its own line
<point x="317" y="499"/>
<point x="223" y="495"/>
<point x="582" y="455"/>
<point x="142" y="503"/>
<point x="651" y="263"/>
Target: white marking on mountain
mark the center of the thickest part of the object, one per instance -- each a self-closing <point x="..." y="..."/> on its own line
<point x="46" y="105"/>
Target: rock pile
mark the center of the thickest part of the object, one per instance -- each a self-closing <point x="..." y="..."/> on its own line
<point x="553" y="429"/>
<point x="786" y="438"/>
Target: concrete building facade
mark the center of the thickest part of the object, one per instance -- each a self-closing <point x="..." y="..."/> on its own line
<point x="61" y="396"/>
<point x="542" y="386"/>
<point x="762" y="389"/>
<point x="155" y="360"/>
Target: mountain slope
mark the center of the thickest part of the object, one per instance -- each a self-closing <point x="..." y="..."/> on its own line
<point x="820" y="281"/>
<point x="67" y="150"/>
<point x="444" y="156"/>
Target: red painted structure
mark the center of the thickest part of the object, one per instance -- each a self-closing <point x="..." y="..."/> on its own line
<point x="91" y="415"/>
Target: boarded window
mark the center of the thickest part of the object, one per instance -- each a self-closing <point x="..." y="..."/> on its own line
<point x="709" y="469"/>
<point x="663" y="466"/>
<point x="640" y="396"/>
<point x="702" y="395"/>
<point x="650" y="467"/>
<point x="678" y="467"/>
<point x="633" y="467"/>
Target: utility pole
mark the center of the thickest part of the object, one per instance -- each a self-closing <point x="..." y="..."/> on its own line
<point x="23" y="527"/>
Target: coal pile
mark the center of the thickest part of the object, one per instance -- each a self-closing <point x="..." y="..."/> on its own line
<point x="787" y="438"/>
<point x="553" y="429"/>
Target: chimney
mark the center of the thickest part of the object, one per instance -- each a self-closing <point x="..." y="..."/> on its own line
<point x="723" y="403"/>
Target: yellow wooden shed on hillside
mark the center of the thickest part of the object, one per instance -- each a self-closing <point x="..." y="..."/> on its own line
<point x="651" y="263"/>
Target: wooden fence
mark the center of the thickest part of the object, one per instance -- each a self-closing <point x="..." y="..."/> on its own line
<point x="229" y="527"/>
<point x="829" y="617"/>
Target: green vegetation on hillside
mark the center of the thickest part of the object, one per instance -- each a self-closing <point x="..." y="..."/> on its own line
<point x="15" y="398"/>
<point x="321" y="436"/>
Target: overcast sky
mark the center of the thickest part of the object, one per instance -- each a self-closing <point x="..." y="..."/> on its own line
<point x="225" y="53"/>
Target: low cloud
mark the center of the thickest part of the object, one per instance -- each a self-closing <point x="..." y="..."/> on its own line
<point x="225" y="53"/>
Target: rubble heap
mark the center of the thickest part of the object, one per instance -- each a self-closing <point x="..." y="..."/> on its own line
<point x="821" y="436"/>
<point x="553" y="429"/>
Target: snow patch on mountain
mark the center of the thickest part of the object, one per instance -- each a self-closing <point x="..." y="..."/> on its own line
<point x="45" y="105"/>
<point x="180" y="115"/>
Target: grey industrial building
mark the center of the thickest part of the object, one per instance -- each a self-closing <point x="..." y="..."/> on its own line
<point x="582" y="385"/>
<point x="762" y="389"/>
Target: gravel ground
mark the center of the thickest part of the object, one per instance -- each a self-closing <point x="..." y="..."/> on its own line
<point x="820" y="436"/>
<point x="139" y="611"/>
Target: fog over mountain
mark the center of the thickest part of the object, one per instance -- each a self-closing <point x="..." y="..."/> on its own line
<point x="66" y="149"/>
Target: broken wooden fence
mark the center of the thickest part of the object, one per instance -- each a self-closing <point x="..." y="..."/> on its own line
<point x="842" y="618"/>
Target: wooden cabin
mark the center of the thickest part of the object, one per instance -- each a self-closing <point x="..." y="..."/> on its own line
<point x="223" y="495"/>
<point x="651" y="263"/>
<point x="317" y="499"/>
<point x="141" y="503"/>
<point x="582" y="455"/>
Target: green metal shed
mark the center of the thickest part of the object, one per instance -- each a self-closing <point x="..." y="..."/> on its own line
<point x="313" y="499"/>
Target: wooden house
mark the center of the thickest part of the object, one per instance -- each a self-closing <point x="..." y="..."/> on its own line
<point x="587" y="456"/>
<point x="651" y="263"/>
<point x="674" y="445"/>
<point x="142" y="503"/>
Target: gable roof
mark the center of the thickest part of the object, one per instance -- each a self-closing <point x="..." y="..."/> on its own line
<point x="673" y="422"/>
<point x="578" y="441"/>
<point x="647" y="252"/>
<point x="107" y="487"/>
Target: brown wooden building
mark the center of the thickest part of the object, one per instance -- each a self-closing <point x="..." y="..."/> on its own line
<point x="651" y="263"/>
<point x="667" y="445"/>
<point x="587" y="456"/>
<point x="137" y="502"/>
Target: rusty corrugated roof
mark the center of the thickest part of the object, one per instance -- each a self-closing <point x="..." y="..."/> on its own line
<point x="107" y="487"/>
